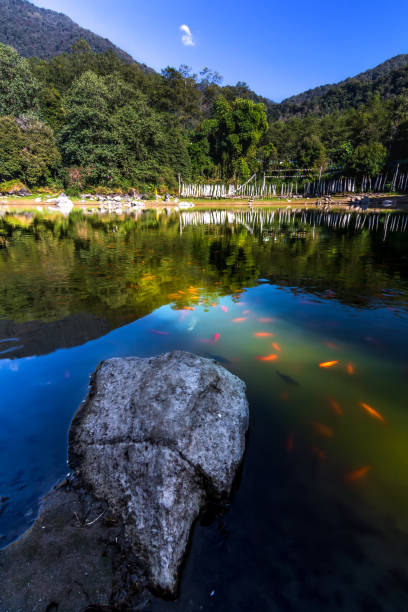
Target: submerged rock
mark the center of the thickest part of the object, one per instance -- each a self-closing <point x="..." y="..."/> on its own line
<point x="154" y="440"/>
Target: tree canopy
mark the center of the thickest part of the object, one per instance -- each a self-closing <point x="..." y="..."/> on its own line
<point x="85" y="119"/>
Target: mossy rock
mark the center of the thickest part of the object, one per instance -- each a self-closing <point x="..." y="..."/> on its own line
<point x="14" y="188"/>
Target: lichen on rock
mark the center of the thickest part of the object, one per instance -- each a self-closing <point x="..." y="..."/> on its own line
<point x="154" y="440"/>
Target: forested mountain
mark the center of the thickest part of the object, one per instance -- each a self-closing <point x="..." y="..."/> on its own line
<point x="85" y="118"/>
<point x="39" y="32"/>
<point x="387" y="79"/>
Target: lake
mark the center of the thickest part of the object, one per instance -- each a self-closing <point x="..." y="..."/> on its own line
<point x="310" y="309"/>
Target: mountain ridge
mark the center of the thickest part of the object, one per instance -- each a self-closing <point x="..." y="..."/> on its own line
<point x="39" y="32"/>
<point x="368" y="81"/>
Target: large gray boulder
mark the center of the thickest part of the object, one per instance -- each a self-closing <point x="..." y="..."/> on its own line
<point x="154" y="438"/>
<point x="153" y="441"/>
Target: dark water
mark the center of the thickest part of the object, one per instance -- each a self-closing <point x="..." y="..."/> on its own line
<point x="319" y="520"/>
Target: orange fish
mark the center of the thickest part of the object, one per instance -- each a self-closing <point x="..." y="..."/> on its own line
<point x="182" y="292"/>
<point x="265" y="320"/>
<point x="224" y="308"/>
<point x="350" y="368"/>
<point x="216" y="337"/>
<point x="336" y="408"/>
<point x="239" y="319"/>
<point x="372" y="412"/>
<point x="290" y="442"/>
<point x="246" y="312"/>
<point x="188" y="308"/>
<point x="276" y="346"/>
<point x="323" y="430"/>
<point x="328" y="364"/>
<point x="213" y="304"/>
<point x="319" y="453"/>
<point x="267" y="357"/>
<point x="358" y="474"/>
<point x="263" y="335"/>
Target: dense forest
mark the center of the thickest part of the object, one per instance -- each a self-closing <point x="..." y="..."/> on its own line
<point x="86" y="119"/>
<point x="38" y="32"/>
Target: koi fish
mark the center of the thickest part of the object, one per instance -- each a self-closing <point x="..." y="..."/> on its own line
<point x="350" y="368"/>
<point x="372" y="412"/>
<point x="216" y="337"/>
<point x="224" y="308"/>
<point x="182" y="292"/>
<point x="323" y="430"/>
<point x="239" y="319"/>
<point x="265" y="320"/>
<point x="287" y="379"/>
<point x="328" y="364"/>
<point x="267" y="357"/>
<point x="358" y="474"/>
<point x="159" y="333"/>
<point x="246" y="312"/>
<point x="214" y="305"/>
<point x="336" y="408"/>
<point x="276" y="347"/>
<point x="290" y="442"/>
<point x="263" y="335"/>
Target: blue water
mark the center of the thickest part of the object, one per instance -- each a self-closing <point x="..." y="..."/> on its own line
<point x="300" y="533"/>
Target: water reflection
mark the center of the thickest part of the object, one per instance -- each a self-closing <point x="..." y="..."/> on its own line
<point x="67" y="281"/>
<point x="320" y="517"/>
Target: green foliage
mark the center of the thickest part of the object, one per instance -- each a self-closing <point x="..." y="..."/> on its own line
<point x="368" y="158"/>
<point x="39" y="32"/>
<point x="86" y="118"/>
<point x="40" y="157"/>
<point x="231" y="138"/>
<point x="11" y="186"/>
<point x="11" y="143"/>
<point x="19" y="89"/>
<point x="27" y="150"/>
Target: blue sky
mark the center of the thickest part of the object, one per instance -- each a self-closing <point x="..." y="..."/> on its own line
<point x="278" y="48"/>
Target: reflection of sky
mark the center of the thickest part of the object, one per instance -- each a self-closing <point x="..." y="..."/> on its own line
<point x="41" y="394"/>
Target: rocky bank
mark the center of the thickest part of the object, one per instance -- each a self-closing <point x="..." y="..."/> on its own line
<point x="152" y="443"/>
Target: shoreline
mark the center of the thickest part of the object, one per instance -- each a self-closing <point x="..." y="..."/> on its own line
<point x="400" y="203"/>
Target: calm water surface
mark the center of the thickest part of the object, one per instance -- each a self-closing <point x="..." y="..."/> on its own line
<point x="319" y="520"/>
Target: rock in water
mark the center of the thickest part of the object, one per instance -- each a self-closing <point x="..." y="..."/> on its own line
<point x="154" y="438"/>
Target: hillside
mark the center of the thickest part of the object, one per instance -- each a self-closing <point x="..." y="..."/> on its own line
<point x="38" y="32"/>
<point x="388" y="79"/>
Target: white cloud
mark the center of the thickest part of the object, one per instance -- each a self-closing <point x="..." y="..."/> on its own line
<point x="187" y="38"/>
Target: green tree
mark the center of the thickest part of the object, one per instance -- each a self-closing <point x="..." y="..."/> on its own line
<point x="11" y="143"/>
<point x="368" y="158"/>
<point x="311" y="152"/>
<point x="40" y="158"/>
<point x="87" y="138"/>
<point x="19" y="89"/>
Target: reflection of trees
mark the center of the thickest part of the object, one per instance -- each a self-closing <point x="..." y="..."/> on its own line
<point x="121" y="270"/>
